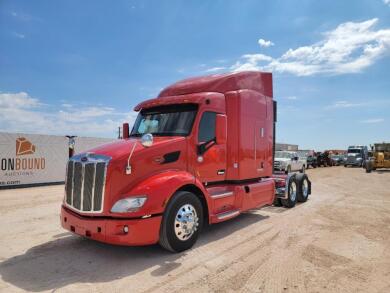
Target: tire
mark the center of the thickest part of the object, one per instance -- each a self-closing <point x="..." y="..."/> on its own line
<point x="303" y="169"/>
<point x="302" y="187"/>
<point x="288" y="170"/>
<point x="346" y="166"/>
<point x="181" y="204"/>
<point x="315" y="166"/>
<point x="292" y="194"/>
<point x="368" y="167"/>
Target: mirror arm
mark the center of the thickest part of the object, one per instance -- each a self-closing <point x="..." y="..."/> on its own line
<point x="204" y="147"/>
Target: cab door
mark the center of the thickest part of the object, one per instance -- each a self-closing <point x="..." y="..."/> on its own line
<point x="210" y="164"/>
<point x="296" y="164"/>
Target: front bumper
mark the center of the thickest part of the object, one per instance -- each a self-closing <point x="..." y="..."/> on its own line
<point x="110" y="230"/>
<point x="279" y="167"/>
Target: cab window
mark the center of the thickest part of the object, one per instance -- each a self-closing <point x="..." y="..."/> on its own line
<point x="207" y="127"/>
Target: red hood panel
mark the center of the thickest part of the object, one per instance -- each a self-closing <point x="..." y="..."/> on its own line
<point x="123" y="147"/>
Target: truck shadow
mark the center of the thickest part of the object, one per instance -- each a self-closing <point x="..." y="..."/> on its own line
<point x="69" y="259"/>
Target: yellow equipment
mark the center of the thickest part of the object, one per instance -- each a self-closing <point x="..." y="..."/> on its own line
<point x="380" y="157"/>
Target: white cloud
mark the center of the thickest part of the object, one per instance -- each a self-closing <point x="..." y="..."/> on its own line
<point x="251" y="62"/>
<point x="345" y="104"/>
<point x="264" y="43"/>
<point x="18" y="100"/>
<point x="373" y="120"/>
<point x="291" y="98"/>
<point x="387" y="2"/>
<point x="215" y="69"/>
<point x="349" y="48"/>
<point x="18" y="35"/>
<point x="20" y="112"/>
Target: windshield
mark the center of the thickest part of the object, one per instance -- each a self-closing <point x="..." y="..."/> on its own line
<point x="171" y="120"/>
<point x="335" y="156"/>
<point x="354" y="151"/>
<point x="285" y="155"/>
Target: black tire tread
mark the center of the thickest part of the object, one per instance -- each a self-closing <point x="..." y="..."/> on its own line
<point x="287" y="203"/>
<point x="299" y="180"/>
<point x="164" y="234"/>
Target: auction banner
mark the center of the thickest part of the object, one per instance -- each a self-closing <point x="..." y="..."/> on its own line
<point x="32" y="159"/>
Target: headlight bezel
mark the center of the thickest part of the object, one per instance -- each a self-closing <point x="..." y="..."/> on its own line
<point x="129" y="204"/>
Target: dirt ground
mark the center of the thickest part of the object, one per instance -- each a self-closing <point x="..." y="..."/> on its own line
<point x="338" y="241"/>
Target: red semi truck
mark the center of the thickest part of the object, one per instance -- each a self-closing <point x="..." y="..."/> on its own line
<point x="200" y="153"/>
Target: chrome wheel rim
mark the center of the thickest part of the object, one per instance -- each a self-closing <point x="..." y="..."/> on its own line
<point x="186" y="222"/>
<point x="305" y="188"/>
<point x="293" y="191"/>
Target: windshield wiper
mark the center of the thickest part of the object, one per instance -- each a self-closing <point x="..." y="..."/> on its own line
<point x="136" y="134"/>
<point x="168" y="134"/>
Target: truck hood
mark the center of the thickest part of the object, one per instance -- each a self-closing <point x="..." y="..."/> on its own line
<point x="121" y="149"/>
<point x="283" y="159"/>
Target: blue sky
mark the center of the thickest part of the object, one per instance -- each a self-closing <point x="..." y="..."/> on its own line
<point x="79" y="67"/>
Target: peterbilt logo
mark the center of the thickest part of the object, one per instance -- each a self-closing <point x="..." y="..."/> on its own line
<point x="85" y="157"/>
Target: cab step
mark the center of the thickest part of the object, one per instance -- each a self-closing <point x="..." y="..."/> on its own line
<point x="228" y="215"/>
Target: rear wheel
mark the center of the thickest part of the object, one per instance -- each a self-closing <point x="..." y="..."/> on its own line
<point x="291" y="200"/>
<point x="368" y="167"/>
<point x="302" y="187"/>
<point x="182" y="222"/>
<point x="288" y="170"/>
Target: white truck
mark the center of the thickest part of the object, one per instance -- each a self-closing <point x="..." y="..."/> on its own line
<point x="287" y="161"/>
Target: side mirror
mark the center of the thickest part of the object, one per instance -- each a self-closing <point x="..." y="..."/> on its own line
<point x="147" y="140"/>
<point x="125" y="130"/>
<point x="221" y="129"/>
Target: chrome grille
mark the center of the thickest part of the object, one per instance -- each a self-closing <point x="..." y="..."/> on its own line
<point x="85" y="181"/>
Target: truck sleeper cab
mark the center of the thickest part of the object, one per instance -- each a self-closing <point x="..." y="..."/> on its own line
<point x="200" y="153"/>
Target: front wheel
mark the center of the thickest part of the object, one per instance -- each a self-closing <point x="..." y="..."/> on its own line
<point x="288" y="170"/>
<point x="303" y="169"/>
<point x="182" y="221"/>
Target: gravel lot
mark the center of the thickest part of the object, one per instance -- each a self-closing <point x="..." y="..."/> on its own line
<point x="338" y="241"/>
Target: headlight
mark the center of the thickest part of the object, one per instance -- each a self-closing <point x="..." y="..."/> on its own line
<point x="129" y="205"/>
<point x="359" y="159"/>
